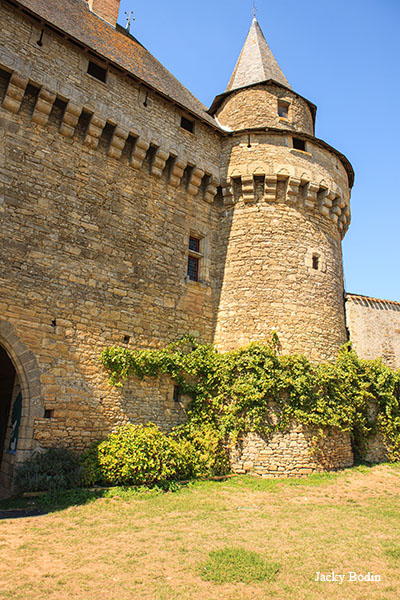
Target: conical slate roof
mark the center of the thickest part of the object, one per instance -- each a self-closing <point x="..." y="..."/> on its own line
<point x="256" y="62"/>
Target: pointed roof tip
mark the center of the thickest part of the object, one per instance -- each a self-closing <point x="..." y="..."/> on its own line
<point x="256" y="62"/>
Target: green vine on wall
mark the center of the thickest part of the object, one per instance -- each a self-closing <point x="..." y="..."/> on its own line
<point x="256" y="389"/>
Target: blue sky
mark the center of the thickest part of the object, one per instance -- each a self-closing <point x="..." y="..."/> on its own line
<point x="343" y="55"/>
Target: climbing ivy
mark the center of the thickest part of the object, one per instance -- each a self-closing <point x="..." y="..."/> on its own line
<point x="256" y="389"/>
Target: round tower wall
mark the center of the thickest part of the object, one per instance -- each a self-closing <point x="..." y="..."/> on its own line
<point x="265" y="101"/>
<point x="285" y="212"/>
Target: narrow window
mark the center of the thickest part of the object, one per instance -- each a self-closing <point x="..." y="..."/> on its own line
<point x="193" y="268"/>
<point x="283" y="109"/>
<point x="177" y="393"/>
<point x="315" y="262"/>
<point x="127" y="339"/>
<point x="187" y="124"/>
<point x="299" y="144"/>
<point x="194" y="244"/>
<point x="97" y="71"/>
<point x="194" y="258"/>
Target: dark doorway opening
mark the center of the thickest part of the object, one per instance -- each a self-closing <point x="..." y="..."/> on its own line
<point x="7" y="378"/>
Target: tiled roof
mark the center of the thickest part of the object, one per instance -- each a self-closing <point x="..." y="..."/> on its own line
<point x="74" y="18"/>
<point x="256" y="62"/>
<point x="373" y="302"/>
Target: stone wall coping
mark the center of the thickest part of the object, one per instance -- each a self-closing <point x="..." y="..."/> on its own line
<point x="370" y="302"/>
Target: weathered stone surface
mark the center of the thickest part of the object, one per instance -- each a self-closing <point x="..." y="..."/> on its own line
<point x="263" y="99"/>
<point x="293" y="453"/>
<point x="374" y="327"/>
<point x="101" y="190"/>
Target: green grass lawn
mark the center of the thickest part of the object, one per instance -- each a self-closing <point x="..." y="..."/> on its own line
<point x="241" y="538"/>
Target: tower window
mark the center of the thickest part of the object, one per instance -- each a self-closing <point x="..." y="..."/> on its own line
<point x="299" y="144"/>
<point x="187" y="124"/>
<point x="283" y="109"/>
<point x="177" y="393"/>
<point x="97" y="71"/>
<point x="194" y="258"/>
<point x="315" y="262"/>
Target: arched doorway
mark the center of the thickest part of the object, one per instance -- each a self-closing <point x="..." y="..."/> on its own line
<point x="20" y="403"/>
<point x="7" y="382"/>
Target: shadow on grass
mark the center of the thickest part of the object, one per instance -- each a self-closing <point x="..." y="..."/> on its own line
<point x="54" y="501"/>
<point x="60" y="500"/>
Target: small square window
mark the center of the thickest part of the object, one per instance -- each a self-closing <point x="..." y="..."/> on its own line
<point x="299" y="144"/>
<point x="187" y="124"/>
<point x="283" y="109"/>
<point x="48" y="413"/>
<point x="97" y="71"/>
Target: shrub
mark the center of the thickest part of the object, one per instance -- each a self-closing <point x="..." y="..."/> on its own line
<point x="54" y="469"/>
<point x="205" y="447"/>
<point x="137" y="455"/>
<point x="91" y="470"/>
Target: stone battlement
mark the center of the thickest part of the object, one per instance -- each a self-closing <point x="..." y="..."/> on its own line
<point x="295" y="191"/>
<point x="201" y="179"/>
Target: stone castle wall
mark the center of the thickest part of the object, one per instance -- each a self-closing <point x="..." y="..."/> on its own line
<point x="99" y="196"/>
<point x="293" y="453"/>
<point x="101" y="190"/>
<point x="374" y="327"/>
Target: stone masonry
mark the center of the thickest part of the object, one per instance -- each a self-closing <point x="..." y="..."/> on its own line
<point x="374" y="327"/>
<point x="110" y="171"/>
<point x="293" y="453"/>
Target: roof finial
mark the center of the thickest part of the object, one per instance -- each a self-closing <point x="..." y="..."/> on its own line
<point x="129" y="18"/>
<point x="254" y="9"/>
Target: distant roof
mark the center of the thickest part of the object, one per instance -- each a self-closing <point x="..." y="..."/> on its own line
<point x="373" y="302"/>
<point x="74" y="18"/>
<point x="256" y="62"/>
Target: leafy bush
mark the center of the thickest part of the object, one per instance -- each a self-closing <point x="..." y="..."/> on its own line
<point x="205" y="448"/>
<point x="232" y="392"/>
<point x="231" y="565"/>
<point x="137" y="455"/>
<point x="91" y="470"/>
<point x="54" y="469"/>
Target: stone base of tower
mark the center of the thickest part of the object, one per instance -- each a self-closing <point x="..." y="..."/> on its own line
<point x="293" y="453"/>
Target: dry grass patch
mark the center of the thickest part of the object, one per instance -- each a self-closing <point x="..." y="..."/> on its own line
<point x="129" y="546"/>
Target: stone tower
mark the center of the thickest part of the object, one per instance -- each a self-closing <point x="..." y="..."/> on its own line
<point x="286" y="210"/>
